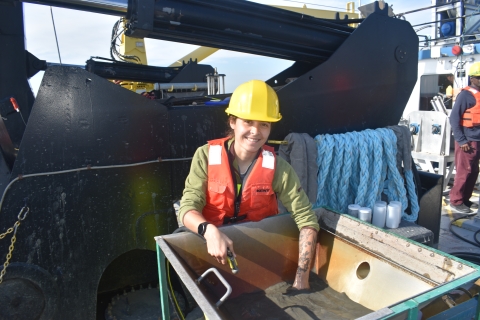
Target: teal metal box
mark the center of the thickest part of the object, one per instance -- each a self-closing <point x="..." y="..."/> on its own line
<point x="402" y="276"/>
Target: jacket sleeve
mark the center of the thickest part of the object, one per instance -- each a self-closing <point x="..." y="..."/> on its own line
<point x="462" y="103"/>
<point x="290" y="192"/>
<point x="194" y="194"/>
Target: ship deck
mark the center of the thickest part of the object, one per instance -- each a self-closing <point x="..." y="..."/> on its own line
<point x="448" y="241"/>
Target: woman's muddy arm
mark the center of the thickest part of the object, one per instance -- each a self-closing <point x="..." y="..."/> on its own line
<point x="307" y="245"/>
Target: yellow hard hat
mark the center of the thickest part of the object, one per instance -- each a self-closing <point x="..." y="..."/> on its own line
<point x="254" y="100"/>
<point x="474" y="70"/>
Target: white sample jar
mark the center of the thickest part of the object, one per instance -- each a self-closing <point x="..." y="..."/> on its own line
<point x="353" y="210"/>
<point x="396" y="203"/>
<point x="379" y="214"/>
<point x="365" y="214"/>
<point x="394" y="214"/>
<point x="399" y="204"/>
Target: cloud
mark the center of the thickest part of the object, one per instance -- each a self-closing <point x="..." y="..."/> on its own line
<point x="80" y="34"/>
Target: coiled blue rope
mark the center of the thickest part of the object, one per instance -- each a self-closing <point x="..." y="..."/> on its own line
<point x="344" y="182"/>
<point x="383" y="174"/>
<point x="337" y="170"/>
<point x="396" y="189"/>
<point x="412" y="196"/>
<point x="376" y="165"/>
<point x="324" y="158"/>
<point x="354" y="172"/>
<point x="357" y="167"/>
<point x="364" y="166"/>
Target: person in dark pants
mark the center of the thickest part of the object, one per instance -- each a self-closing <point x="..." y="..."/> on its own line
<point x="465" y="123"/>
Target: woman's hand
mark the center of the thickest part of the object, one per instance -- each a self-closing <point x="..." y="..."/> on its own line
<point x="217" y="243"/>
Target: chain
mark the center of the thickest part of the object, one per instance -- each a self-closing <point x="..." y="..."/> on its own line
<point x="21" y="216"/>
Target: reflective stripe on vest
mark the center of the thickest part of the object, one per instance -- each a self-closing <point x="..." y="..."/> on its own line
<point x="258" y="199"/>
<point x="471" y="116"/>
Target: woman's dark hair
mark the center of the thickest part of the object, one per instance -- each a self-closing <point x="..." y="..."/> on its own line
<point x="229" y="133"/>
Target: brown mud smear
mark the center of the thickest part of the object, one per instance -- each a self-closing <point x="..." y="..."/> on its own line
<point x="321" y="303"/>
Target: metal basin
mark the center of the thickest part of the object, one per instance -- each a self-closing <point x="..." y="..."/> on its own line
<point x="381" y="271"/>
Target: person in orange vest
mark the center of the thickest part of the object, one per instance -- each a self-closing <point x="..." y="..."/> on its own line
<point x="465" y="123"/>
<point x="238" y="178"/>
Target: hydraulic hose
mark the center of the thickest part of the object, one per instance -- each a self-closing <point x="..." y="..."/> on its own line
<point x="476" y="244"/>
<point x="469" y="256"/>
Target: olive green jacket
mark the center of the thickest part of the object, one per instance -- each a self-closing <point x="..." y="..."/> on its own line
<point x="286" y="185"/>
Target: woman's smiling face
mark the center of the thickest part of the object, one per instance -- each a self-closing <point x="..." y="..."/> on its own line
<point x="250" y="135"/>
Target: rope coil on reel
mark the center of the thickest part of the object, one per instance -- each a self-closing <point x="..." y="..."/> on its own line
<point x="358" y="167"/>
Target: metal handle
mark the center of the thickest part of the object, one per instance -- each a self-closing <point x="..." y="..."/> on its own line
<point x="222" y="279"/>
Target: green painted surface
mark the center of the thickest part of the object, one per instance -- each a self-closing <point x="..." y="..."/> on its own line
<point x="162" y="279"/>
<point x="151" y="201"/>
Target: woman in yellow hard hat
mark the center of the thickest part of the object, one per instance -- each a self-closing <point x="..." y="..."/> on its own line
<point x="238" y="178"/>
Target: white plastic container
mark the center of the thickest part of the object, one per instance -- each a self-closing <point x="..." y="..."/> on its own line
<point x="396" y="203"/>
<point x="394" y="214"/>
<point x="379" y="214"/>
<point x="353" y="210"/>
<point x="365" y="214"/>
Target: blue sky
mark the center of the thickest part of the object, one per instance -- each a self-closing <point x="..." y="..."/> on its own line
<point x="82" y="35"/>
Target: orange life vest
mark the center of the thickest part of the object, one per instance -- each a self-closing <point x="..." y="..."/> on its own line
<point x="471" y="117"/>
<point x="258" y="200"/>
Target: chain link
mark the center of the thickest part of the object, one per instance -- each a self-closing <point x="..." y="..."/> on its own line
<point x="21" y="216"/>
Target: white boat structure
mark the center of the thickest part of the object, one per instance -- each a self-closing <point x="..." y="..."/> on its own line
<point x="445" y="57"/>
